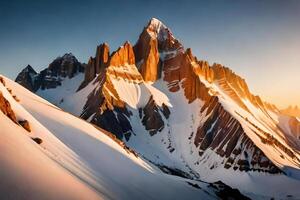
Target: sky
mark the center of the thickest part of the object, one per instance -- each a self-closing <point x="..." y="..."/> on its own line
<point x="259" y="40"/>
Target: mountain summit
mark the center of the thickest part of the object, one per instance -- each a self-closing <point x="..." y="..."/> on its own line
<point x="185" y="116"/>
<point x="62" y="67"/>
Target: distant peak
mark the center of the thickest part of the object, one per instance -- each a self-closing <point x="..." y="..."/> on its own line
<point x="29" y="69"/>
<point x="68" y="55"/>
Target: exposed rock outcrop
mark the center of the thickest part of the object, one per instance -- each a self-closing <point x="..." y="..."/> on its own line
<point x="102" y="57"/>
<point x="37" y="140"/>
<point x="223" y="133"/>
<point x="96" y="64"/>
<point x="60" y="68"/>
<point x="66" y="66"/>
<point x="179" y="73"/>
<point x="156" y="38"/>
<point x="6" y="108"/>
<point x="152" y="117"/>
<point x="25" y="125"/>
<point x="104" y="103"/>
<point x="123" y="56"/>
<point x="2" y="81"/>
<point x="226" y="192"/>
<point x="147" y="56"/>
<point x="28" y="78"/>
<point x="107" y="112"/>
<point x="166" y="40"/>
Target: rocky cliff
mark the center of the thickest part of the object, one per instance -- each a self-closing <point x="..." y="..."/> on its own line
<point x="63" y="67"/>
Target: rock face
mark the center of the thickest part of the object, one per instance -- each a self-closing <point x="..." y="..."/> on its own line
<point x="123" y="56"/>
<point x="151" y="117"/>
<point x="2" y="81"/>
<point x="28" y="78"/>
<point x="63" y="67"/>
<point x="25" y="125"/>
<point x="183" y="76"/>
<point x="225" y="192"/>
<point x="37" y="140"/>
<point x="102" y="57"/>
<point x="225" y="135"/>
<point x="96" y="64"/>
<point x="60" y="68"/>
<point x="6" y="108"/>
<point x="147" y="56"/>
<point x="105" y="99"/>
<point x="155" y="38"/>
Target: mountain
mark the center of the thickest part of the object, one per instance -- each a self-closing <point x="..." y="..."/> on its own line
<point x="55" y="155"/>
<point x="293" y="111"/>
<point x="61" y="68"/>
<point x="185" y="116"/>
<point x="28" y="77"/>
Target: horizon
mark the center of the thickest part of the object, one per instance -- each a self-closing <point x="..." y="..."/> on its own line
<point x="258" y="48"/>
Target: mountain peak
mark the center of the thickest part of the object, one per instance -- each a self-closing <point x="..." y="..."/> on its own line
<point x="157" y="29"/>
<point x="26" y="78"/>
<point x="68" y="57"/>
<point x="124" y="55"/>
<point x="29" y="69"/>
<point x="154" y="22"/>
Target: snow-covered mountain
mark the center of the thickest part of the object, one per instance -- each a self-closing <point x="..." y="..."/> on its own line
<point x="61" y="68"/>
<point x="184" y="116"/>
<point x="46" y="153"/>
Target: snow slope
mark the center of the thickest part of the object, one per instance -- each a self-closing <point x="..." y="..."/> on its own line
<point x="77" y="158"/>
<point x="27" y="173"/>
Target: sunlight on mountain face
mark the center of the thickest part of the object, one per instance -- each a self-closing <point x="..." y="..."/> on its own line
<point x="164" y="100"/>
<point x="148" y="119"/>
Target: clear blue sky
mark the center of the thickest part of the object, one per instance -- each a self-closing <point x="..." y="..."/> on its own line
<point x="260" y="40"/>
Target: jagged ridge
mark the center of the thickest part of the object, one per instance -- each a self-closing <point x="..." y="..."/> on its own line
<point x="139" y="94"/>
